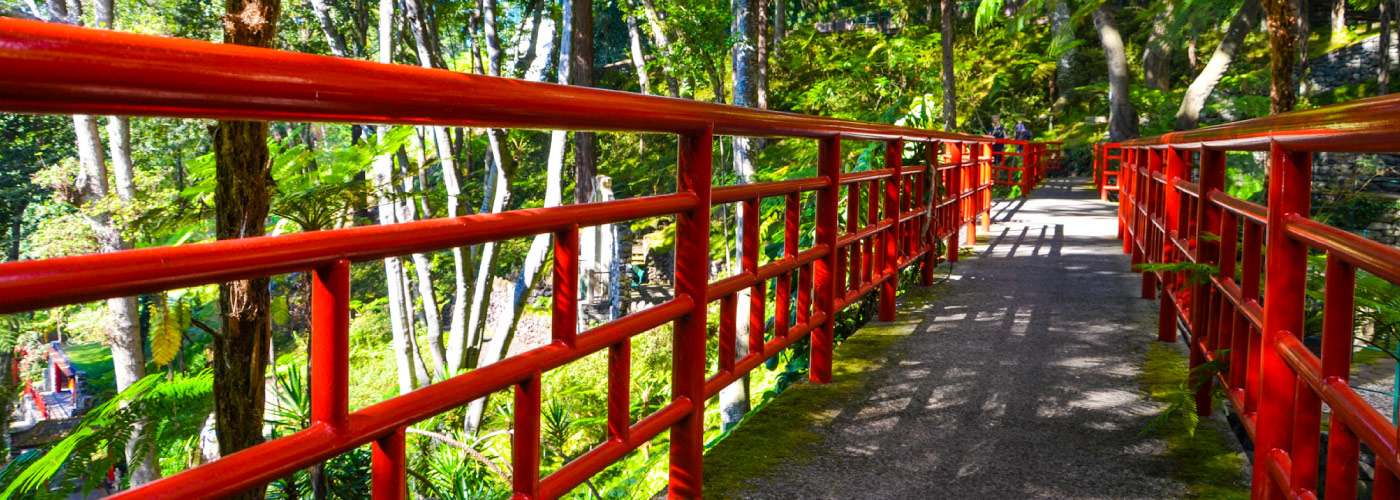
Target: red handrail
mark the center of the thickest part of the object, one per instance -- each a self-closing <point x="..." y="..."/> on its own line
<point x="1275" y="384"/>
<point x="53" y="68"/>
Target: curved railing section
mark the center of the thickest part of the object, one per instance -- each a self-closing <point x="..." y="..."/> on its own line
<point x="1250" y="312"/>
<point x="894" y="218"/>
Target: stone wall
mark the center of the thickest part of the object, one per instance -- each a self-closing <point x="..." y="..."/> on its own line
<point x="1349" y="65"/>
<point x="1347" y="172"/>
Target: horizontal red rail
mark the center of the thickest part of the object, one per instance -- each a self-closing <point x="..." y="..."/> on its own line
<point x="895" y="217"/>
<point x="1276" y="384"/>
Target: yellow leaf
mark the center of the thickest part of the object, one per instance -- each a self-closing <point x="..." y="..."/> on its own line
<point x="167" y="330"/>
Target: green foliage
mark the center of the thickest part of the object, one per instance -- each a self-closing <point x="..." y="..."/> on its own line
<point x="1196" y="274"/>
<point x="1201" y="455"/>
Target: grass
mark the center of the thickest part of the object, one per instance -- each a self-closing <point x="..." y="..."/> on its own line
<point x="1205" y="462"/>
<point x="780" y="430"/>
<point x="95" y="359"/>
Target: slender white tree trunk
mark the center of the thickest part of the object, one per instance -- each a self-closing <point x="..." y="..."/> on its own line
<point x="734" y="399"/>
<point x="663" y="45"/>
<point x="639" y="60"/>
<point x="383" y="173"/>
<point x="495" y="348"/>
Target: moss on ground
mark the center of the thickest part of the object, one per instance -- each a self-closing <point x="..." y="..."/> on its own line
<point x="779" y="430"/>
<point x="1205" y="461"/>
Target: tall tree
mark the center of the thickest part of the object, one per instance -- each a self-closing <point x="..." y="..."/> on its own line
<point x="1062" y="31"/>
<point x="639" y="60"/>
<point x="660" y="34"/>
<point x="1339" y="18"/>
<point x="123" y="334"/>
<point x="241" y="203"/>
<point x="1283" y="40"/>
<point x="585" y="143"/>
<point x="1157" y="55"/>
<point x="950" y="92"/>
<point x="1189" y="114"/>
<point x="1122" y="117"/>
<point x="734" y="399"/>
<point x="1383" y="79"/>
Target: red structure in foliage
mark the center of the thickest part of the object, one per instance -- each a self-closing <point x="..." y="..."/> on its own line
<point x="895" y="218"/>
<point x="1251" y="313"/>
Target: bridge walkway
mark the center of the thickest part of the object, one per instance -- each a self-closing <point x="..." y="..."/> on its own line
<point x="1019" y="378"/>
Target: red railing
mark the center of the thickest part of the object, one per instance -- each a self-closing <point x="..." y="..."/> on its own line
<point x="1251" y="314"/>
<point x="59" y="69"/>
<point x="1023" y="163"/>
<point x="38" y="398"/>
<point x="1108" y="161"/>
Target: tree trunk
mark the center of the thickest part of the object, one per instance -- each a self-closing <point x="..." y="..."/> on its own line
<point x="333" y="36"/>
<point x="663" y="45"/>
<point x="780" y="23"/>
<point x="639" y="61"/>
<point x="1383" y="79"/>
<point x="950" y="92"/>
<point x="1157" y="56"/>
<point x="495" y="348"/>
<point x="1189" y="114"/>
<point x="1300" y="8"/>
<point x="1062" y="30"/>
<point x="1283" y="40"/>
<point x="1339" y="18"/>
<point x="761" y="49"/>
<point x="734" y="399"/>
<point x="1122" y="118"/>
<point x="585" y="143"/>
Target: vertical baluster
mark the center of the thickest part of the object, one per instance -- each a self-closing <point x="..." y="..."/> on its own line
<point x="758" y="293"/>
<point x="853" y="226"/>
<point x="894" y="152"/>
<point x="330" y="346"/>
<point x="970" y="183"/>
<point x="1212" y="179"/>
<point x="696" y="156"/>
<point x="1171" y="224"/>
<point x="564" y="308"/>
<point x="727" y="325"/>
<point x="823" y="337"/>
<point x="1249" y="291"/>
<point x="1290" y="177"/>
<point x="389" y="467"/>
<point x="928" y="194"/>
<point x="954" y="192"/>
<point x="525" y="440"/>
<point x="1338" y="320"/>
<point x="783" y="302"/>
<point x="874" y="260"/>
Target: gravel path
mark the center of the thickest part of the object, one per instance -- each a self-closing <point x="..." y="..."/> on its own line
<point x="1020" y="380"/>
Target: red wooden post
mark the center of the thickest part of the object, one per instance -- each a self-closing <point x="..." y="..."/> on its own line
<point x="688" y="342"/>
<point x="1338" y="316"/>
<point x="1153" y="161"/>
<point x="929" y="192"/>
<point x="389" y="467"/>
<point x="619" y="390"/>
<point x="1290" y="177"/>
<point x="894" y="153"/>
<point x="759" y="292"/>
<point x="525" y="440"/>
<point x="852" y="227"/>
<point x="823" y="337"/>
<point x="954" y="190"/>
<point x="1171" y="224"/>
<point x="969" y="204"/>
<point x="330" y="347"/>
<point x="783" y="302"/>
<point x="564" y="308"/>
<point x="1208" y="217"/>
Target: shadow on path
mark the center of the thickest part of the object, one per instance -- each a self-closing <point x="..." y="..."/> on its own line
<point x="1020" y="380"/>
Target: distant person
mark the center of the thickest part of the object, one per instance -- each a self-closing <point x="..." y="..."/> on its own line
<point x="998" y="131"/>
<point x="1023" y="133"/>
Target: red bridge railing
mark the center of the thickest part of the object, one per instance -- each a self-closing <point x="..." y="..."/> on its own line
<point x="1023" y="163"/>
<point x="1108" y="160"/>
<point x="1251" y="314"/>
<point x="59" y="69"/>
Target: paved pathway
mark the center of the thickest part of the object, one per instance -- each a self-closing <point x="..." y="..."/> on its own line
<point x="1020" y="380"/>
